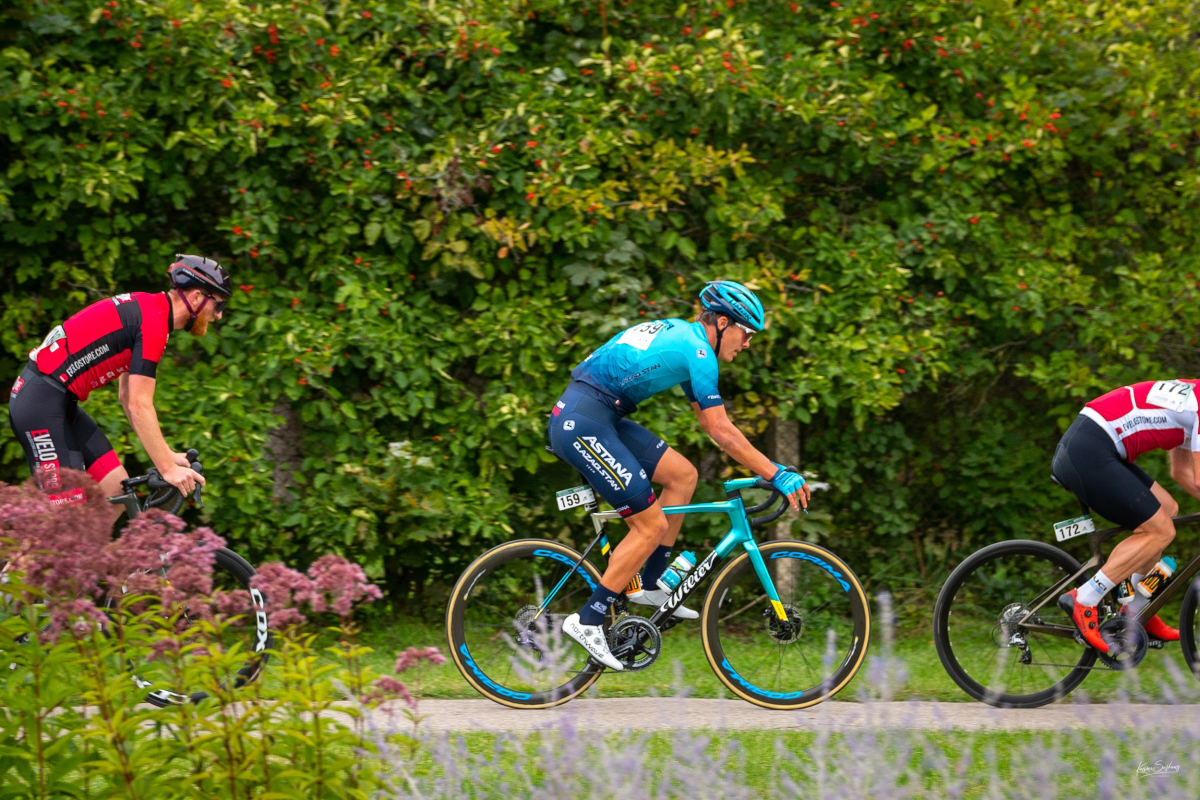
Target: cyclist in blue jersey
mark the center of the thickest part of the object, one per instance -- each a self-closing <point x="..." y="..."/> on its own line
<point x="590" y="430"/>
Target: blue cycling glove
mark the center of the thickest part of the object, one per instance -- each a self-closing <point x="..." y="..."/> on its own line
<point x="786" y="482"/>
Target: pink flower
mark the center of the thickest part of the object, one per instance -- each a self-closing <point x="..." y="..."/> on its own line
<point x="284" y="589"/>
<point x="414" y="655"/>
<point x="387" y="686"/>
<point x="344" y="582"/>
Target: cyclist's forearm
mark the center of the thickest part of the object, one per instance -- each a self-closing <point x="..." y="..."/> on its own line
<point x="1183" y="470"/>
<point x="144" y="419"/>
<point x="735" y="443"/>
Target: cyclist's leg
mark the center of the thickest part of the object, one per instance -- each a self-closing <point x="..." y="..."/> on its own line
<point x="1170" y="507"/>
<point x="39" y="415"/>
<point x="99" y="458"/>
<point x="647" y="529"/>
<point x="678" y="478"/>
<point x="1087" y="462"/>
<point x="666" y="467"/>
<point x="56" y="435"/>
<point x="590" y="443"/>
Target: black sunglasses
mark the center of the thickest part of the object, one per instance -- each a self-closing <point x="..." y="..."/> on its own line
<point x="218" y="305"/>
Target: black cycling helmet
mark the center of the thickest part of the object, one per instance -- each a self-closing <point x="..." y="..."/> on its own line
<point x="196" y="272"/>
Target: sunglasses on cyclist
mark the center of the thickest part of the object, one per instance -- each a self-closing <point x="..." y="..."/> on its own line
<point x="218" y="305"/>
<point x="748" y="331"/>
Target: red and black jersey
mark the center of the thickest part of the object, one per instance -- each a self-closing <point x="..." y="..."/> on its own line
<point x="126" y="333"/>
<point x="1153" y="415"/>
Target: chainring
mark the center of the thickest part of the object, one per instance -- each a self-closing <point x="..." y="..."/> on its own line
<point x="1127" y="642"/>
<point x="635" y="642"/>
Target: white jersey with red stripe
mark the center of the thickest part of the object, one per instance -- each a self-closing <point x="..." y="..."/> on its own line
<point x="1153" y="415"/>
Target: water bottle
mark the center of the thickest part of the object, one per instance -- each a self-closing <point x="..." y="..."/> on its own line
<point x="681" y="566"/>
<point x="1157" y="578"/>
<point x="1125" y="592"/>
<point x="634" y="589"/>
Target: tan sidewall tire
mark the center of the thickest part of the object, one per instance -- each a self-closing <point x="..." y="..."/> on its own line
<point x="709" y="623"/>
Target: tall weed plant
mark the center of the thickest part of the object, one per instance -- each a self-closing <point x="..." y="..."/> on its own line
<point x="88" y="619"/>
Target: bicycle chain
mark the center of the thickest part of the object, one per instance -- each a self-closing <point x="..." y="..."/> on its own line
<point x="1072" y="666"/>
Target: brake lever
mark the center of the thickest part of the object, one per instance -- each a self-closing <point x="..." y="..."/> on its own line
<point x="198" y="468"/>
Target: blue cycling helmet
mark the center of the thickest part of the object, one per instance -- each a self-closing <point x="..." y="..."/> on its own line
<point x="734" y="301"/>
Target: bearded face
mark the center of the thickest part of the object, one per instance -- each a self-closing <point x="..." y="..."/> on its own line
<point x="206" y="314"/>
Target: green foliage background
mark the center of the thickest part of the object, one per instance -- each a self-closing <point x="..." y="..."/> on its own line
<point x="965" y="219"/>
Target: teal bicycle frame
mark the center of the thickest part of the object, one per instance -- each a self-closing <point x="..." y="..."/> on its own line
<point x="740" y="533"/>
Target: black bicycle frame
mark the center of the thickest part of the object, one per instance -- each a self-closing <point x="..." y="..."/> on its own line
<point x="1095" y="540"/>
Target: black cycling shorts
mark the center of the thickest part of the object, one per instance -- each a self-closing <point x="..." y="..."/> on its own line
<point x="55" y="433"/>
<point x="1087" y="462"/>
<point x="616" y="455"/>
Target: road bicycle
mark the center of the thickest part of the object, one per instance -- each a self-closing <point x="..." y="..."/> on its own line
<point x="785" y="624"/>
<point x="231" y="574"/>
<point x="1004" y="641"/>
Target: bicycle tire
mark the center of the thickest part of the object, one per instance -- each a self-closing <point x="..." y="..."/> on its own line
<point x="832" y="599"/>
<point x="1063" y="565"/>
<point x="1187" y="627"/>
<point x="477" y="631"/>
<point x="232" y="569"/>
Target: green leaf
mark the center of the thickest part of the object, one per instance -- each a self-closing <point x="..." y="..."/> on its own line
<point x="371" y="232"/>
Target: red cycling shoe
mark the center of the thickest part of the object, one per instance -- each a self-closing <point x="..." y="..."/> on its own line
<point x="1160" y="630"/>
<point x="1086" y="619"/>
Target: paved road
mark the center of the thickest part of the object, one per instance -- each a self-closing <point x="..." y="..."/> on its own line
<point x="648" y="713"/>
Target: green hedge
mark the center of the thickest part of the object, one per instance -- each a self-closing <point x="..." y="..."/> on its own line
<point x="965" y="219"/>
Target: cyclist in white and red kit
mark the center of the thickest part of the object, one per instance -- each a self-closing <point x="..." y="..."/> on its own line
<point x="1095" y="461"/>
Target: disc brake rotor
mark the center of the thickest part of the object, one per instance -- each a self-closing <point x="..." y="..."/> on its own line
<point x="784" y="632"/>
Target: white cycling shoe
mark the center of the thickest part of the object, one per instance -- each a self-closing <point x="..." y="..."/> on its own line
<point x="592" y="638"/>
<point x="656" y="598"/>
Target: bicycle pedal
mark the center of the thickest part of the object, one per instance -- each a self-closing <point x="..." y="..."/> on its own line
<point x="1156" y="644"/>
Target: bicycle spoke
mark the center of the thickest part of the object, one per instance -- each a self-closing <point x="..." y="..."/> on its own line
<point x="772" y="656"/>
<point x="511" y="624"/>
<point x="990" y="653"/>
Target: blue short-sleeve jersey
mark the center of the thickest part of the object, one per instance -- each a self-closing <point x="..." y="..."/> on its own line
<point x="652" y="357"/>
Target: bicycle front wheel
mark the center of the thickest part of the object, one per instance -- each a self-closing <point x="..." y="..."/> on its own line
<point x="795" y="664"/>
<point x="979" y="638"/>
<point x="504" y="623"/>
<point x="234" y="654"/>
<point x="1189" y="627"/>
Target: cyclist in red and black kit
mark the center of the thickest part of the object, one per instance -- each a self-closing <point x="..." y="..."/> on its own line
<point x="120" y="338"/>
<point x="1095" y="461"/>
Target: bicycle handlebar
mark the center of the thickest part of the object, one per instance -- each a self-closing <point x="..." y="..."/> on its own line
<point x="763" y="483"/>
<point x="163" y="493"/>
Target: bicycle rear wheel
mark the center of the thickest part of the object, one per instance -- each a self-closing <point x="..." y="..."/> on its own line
<point x="504" y="623"/>
<point x="979" y="642"/>
<point x="793" y="665"/>
<point x="234" y="654"/>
